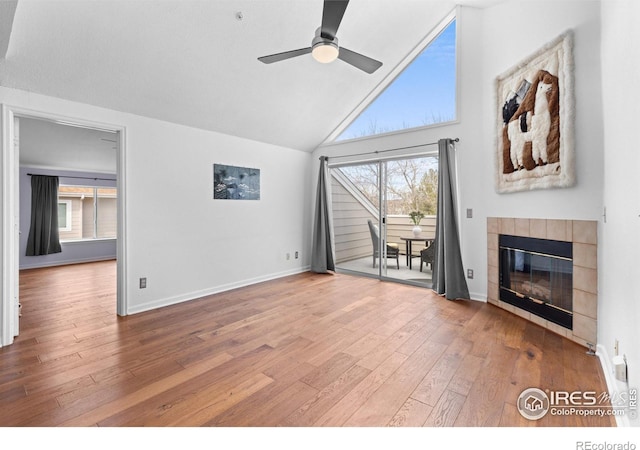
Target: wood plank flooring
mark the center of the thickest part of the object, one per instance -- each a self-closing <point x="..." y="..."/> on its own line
<point x="305" y="350"/>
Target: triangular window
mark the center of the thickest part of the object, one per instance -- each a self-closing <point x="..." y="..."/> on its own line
<point x="423" y="94"/>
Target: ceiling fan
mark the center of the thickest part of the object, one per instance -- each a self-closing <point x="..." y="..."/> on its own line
<point x="324" y="46"/>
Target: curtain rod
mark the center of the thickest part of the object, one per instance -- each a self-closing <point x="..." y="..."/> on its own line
<point x="389" y="150"/>
<point x="69" y="176"/>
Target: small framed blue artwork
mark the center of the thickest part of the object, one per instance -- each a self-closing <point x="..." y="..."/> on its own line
<point x="235" y="183"/>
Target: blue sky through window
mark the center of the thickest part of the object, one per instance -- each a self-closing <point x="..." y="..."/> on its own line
<point x="423" y="94"/>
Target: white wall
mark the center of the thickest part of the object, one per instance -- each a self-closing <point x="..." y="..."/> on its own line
<point x="187" y="244"/>
<point x="619" y="307"/>
<point x="512" y="32"/>
<point x="184" y="242"/>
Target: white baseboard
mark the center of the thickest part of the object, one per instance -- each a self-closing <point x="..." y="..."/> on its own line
<point x="481" y="297"/>
<point x="66" y="263"/>
<point x="614" y="387"/>
<point x="159" y="303"/>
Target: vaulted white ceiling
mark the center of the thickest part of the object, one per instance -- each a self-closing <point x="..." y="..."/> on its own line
<point x="194" y="63"/>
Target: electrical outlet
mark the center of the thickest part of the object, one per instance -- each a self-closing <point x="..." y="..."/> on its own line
<point x="143" y="283"/>
<point x="470" y="274"/>
<point x="296" y="255"/>
<point x="469" y="213"/>
<point x="288" y="256"/>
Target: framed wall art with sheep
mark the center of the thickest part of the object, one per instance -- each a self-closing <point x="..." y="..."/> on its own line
<point x="535" y="120"/>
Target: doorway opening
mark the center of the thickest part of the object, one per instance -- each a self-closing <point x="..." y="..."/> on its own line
<point x="83" y="155"/>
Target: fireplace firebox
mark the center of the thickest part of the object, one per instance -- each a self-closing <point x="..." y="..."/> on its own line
<point x="536" y="275"/>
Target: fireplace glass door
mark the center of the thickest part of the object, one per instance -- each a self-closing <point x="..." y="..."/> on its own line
<point x="537" y="275"/>
<point x="542" y="278"/>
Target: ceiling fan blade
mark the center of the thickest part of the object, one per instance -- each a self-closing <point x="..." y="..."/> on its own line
<point x="332" y="14"/>
<point x="284" y="55"/>
<point x="360" y="61"/>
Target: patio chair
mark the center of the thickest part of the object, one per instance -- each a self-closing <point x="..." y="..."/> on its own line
<point x="427" y="256"/>
<point x="393" y="250"/>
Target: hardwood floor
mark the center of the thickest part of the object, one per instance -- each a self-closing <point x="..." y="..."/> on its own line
<point x="305" y="350"/>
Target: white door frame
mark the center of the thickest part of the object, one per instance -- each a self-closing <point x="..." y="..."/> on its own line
<point x="9" y="193"/>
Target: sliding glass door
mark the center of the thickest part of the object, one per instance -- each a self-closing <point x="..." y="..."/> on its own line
<point x="376" y="206"/>
<point x="356" y="203"/>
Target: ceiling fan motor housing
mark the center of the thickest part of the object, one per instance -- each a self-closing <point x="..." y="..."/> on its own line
<point x="323" y="49"/>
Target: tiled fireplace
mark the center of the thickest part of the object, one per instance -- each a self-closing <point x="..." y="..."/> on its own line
<point x="577" y="268"/>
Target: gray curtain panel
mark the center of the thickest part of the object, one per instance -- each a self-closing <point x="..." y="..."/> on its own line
<point x="322" y="260"/>
<point x="448" y="271"/>
<point x="44" y="238"/>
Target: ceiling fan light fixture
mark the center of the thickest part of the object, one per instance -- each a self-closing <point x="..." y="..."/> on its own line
<point x="325" y="52"/>
<point x="324" y="46"/>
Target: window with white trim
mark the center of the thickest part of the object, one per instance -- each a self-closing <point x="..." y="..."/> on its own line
<point x="423" y="94"/>
<point x="90" y="213"/>
<point x="64" y="215"/>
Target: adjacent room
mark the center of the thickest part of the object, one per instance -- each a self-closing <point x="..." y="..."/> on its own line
<point x="261" y="213"/>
